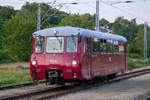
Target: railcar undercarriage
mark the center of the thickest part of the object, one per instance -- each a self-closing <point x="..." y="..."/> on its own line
<point x="54" y="76"/>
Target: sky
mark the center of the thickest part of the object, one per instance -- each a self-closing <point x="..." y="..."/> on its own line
<point x="109" y="9"/>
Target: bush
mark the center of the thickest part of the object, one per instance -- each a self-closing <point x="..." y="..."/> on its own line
<point x="134" y="55"/>
<point x="131" y="64"/>
<point x="137" y="63"/>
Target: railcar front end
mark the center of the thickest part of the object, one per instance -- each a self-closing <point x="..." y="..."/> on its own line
<point x="56" y="59"/>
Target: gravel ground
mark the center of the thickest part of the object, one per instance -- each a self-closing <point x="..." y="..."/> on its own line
<point x="131" y="89"/>
<point x="124" y="90"/>
<point x="22" y="90"/>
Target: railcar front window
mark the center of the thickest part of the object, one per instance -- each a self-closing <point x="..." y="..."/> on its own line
<point x="55" y="45"/>
<point x="38" y="45"/>
<point x="72" y="43"/>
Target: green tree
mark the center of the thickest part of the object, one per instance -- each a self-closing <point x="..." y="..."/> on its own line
<point x="5" y="14"/>
<point x="103" y="22"/>
<point x="136" y="47"/>
<point x="125" y="28"/>
<point x="16" y="45"/>
<point x="18" y="30"/>
<point x="91" y="19"/>
<point x="140" y="39"/>
<point x="77" y="21"/>
<point x="49" y="16"/>
<point x="134" y="50"/>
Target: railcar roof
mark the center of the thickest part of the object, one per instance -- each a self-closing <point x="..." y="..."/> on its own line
<point x="68" y="31"/>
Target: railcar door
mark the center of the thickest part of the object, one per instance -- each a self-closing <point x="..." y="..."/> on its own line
<point x="86" y="61"/>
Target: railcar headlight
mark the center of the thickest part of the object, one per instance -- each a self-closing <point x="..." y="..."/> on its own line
<point x="33" y="62"/>
<point x="74" y="62"/>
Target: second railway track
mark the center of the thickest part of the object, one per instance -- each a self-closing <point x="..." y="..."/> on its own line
<point x="58" y="91"/>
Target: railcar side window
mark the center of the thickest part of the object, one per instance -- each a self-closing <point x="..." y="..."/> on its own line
<point x="115" y="46"/>
<point x="103" y="45"/>
<point x="121" y="47"/>
<point x="96" y="45"/>
<point x="109" y="46"/>
<point x="38" y="45"/>
<point x="72" y="43"/>
<point x="55" y="45"/>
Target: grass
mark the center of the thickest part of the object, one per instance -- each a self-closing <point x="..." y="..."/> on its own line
<point x="137" y="63"/>
<point x="14" y="73"/>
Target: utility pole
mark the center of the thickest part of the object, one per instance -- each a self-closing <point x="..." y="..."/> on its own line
<point x="145" y="40"/>
<point x="39" y="17"/>
<point x="97" y="15"/>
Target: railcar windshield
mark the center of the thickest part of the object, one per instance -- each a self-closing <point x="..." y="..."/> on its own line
<point x="38" y="45"/>
<point x="55" y="45"/>
<point x="72" y="43"/>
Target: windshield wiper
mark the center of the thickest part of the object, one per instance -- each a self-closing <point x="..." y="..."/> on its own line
<point x="59" y="41"/>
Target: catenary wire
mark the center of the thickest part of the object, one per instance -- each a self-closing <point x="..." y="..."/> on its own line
<point x="124" y="11"/>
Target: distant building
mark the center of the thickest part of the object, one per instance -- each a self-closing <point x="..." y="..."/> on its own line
<point x="106" y="28"/>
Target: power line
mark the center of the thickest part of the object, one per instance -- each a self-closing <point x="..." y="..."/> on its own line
<point x="123" y="11"/>
<point x="75" y="11"/>
<point x="65" y="6"/>
<point x="46" y="13"/>
<point x="54" y="5"/>
<point x="143" y="6"/>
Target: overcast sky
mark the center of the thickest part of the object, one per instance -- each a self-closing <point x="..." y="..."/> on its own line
<point x="139" y="9"/>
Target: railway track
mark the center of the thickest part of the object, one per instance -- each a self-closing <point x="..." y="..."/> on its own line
<point x="20" y="85"/>
<point x="59" y="91"/>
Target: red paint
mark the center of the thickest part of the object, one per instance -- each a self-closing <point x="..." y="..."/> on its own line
<point x="88" y="65"/>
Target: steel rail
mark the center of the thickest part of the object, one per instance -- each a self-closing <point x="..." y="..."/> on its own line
<point x="59" y="91"/>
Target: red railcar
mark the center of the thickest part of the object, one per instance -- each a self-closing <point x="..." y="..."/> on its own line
<point x="67" y="54"/>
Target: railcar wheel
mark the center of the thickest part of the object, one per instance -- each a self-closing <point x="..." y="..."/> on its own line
<point x="90" y="82"/>
<point x="112" y="76"/>
<point x="82" y="83"/>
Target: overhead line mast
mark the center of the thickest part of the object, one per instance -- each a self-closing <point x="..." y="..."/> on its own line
<point x="145" y="40"/>
<point x="97" y="16"/>
<point x="39" y="17"/>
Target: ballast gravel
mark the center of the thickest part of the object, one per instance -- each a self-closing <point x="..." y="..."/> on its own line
<point x="136" y="88"/>
<point x="131" y="89"/>
<point x="22" y="90"/>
